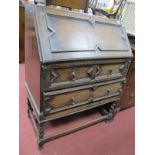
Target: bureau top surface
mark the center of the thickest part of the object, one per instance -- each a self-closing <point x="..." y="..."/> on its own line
<point x="65" y="36"/>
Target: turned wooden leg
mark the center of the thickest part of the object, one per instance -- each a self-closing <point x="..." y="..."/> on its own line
<point x="40" y="144"/>
<point x="112" y="109"/>
<point x="41" y="134"/>
<point x="41" y="131"/>
<point x="109" y="110"/>
<point x="29" y="108"/>
<point x="112" y="112"/>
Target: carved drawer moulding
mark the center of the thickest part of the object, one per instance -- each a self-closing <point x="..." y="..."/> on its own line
<point x="60" y="76"/>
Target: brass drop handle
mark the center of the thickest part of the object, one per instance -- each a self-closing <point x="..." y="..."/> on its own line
<point x="73" y="76"/>
<point x="121" y="91"/>
<point x="72" y="100"/>
<point x="108" y="92"/>
<point x="91" y="99"/>
<point x="110" y="71"/>
<point x="94" y="88"/>
<point x="121" y="68"/>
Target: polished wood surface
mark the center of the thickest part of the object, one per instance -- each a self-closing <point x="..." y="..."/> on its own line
<point x="128" y="98"/>
<point x="79" y="109"/>
<point x="21" y="33"/>
<point x="86" y="95"/>
<point x="78" y="74"/>
<point x="93" y="39"/>
<point x="72" y="4"/>
<point x="32" y="62"/>
<point x="58" y="71"/>
<point x="68" y="72"/>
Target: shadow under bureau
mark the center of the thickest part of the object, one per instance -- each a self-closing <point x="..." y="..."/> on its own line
<point x="73" y="62"/>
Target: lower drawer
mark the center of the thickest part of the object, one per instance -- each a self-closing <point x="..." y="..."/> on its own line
<point x="74" y="110"/>
<point x="56" y="101"/>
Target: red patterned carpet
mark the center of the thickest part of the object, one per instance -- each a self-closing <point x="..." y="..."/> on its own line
<point x="115" y="138"/>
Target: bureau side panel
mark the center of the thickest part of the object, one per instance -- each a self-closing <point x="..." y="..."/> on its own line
<point x="32" y="60"/>
<point x="21" y="33"/>
<point x="128" y="98"/>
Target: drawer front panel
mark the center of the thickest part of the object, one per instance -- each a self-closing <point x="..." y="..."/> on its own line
<point x="58" y="78"/>
<point x="83" y="96"/>
<point x="78" y="109"/>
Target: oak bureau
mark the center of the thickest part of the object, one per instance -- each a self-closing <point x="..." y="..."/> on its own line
<point x="73" y="62"/>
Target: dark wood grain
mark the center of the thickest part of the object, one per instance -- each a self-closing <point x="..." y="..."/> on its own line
<point x="87" y="95"/>
<point x="79" y="109"/>
<point x="21" y="33"/>
<point x="55" y="25"/>
<point x="71" y="4"/>
<point x="32" y="61"/>
<point x="64" y="73"/>
<point x="128" y="98"/>
<point x="75" y="75"/>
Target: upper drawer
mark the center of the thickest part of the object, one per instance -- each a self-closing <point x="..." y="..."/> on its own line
<point x="73" y="74"/>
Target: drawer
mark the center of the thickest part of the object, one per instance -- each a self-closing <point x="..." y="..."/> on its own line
<point x="74" y="75"/>
<point x="78" y="109"/>
<point x="78" y="96"/>
<point x="128" y="98"/>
